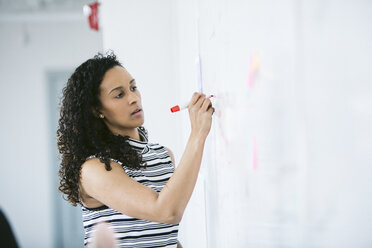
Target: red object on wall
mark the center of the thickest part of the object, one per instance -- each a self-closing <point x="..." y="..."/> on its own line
<point x="93" y="17"/>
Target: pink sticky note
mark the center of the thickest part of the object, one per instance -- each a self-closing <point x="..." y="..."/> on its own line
<point x="251" y="77"/>
<point x="253" y="69"/>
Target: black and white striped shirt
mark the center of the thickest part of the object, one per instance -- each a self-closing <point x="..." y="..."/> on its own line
<point x="129" y="231"/>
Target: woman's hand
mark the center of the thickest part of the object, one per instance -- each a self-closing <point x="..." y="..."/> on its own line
<point x="200" y="112"/>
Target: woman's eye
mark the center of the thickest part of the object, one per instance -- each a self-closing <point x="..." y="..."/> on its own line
<point x="119" y="95"/>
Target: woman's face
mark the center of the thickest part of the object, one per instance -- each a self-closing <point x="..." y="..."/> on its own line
<point x="120" y="99"/>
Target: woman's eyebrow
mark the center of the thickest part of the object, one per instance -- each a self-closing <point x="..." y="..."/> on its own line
<point x="120" y="87"/>
<point x="117" y="88"/>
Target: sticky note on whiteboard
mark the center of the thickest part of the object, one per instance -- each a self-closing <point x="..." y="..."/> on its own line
<point x="253" y="69"/>
<point x="199" y="74"/>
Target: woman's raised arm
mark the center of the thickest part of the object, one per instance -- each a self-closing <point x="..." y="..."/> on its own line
<point x="117" y="190"/>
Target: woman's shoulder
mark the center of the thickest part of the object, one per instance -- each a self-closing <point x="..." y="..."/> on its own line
<point x="93" y="166"/>
<point x="95" y="163"/>
<point x="97" y="157"/>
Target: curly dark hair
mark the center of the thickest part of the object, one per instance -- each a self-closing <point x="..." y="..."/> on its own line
<point x="81" y="133"/>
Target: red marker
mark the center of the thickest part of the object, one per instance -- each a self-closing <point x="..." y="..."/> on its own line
<point x="178" y="108"/>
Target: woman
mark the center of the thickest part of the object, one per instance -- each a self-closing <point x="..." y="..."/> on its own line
<point x="109" y="167"/>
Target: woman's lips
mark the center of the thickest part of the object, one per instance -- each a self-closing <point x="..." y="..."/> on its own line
<point x="137" y="112"/>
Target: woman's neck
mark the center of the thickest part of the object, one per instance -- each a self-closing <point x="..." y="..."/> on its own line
<point x="133" y="133"/>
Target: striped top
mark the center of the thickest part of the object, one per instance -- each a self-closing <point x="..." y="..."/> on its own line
<point x="129" y="231"/>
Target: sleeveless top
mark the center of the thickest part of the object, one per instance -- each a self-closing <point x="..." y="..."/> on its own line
<point x="129" y="231"/>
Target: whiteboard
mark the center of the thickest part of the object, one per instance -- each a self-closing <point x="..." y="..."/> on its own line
<point x="270" y="179"/>
<point x="288" y="160"/>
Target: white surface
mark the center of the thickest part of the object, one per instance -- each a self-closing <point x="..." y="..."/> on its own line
<point x="308" y="111"/>
<point x="337" y="92"/>
<point x="28" y="50"/>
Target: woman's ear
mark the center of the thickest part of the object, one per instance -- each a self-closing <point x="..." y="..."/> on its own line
<point x="97" y="114"/>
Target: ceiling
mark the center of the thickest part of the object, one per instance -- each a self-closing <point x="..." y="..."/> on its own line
<point x="30" y="6"/>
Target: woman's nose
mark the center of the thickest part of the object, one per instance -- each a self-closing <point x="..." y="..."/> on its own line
<point x="133" y="97"/>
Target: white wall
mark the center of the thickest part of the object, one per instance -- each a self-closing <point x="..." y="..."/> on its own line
<point x="140" y="33"/>
<point x="30" y="45"/>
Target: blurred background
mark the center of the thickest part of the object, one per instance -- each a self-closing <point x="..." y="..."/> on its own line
<point x="288" y="160"/>
<point x="41" y="44"/>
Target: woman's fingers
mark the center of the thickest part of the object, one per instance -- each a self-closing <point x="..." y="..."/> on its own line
<point x="201" y="111"/>
<point x="195" y="98"/>
<point x="196" y="102"/>
<point x="199" y="101"/>
<point x="211" y="110"/>
<point x="206" y="104"/>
